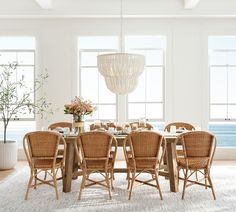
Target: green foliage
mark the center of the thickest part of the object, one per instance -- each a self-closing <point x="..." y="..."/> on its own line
<point x="11" y="103"/>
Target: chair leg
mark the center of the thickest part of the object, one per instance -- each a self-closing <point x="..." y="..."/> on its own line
<point x="211" y="184"/>
<point x="158" y="185"/>
<point x="29" y="184"/>
<point x="185" y="182"/>
<point x="112" y="178"/>
<point x="132" y="184"/>
<point x="108" y="184"/>
<point x="82" y="186"/>
<point x="55" y="183"/>
<point x="128" y="179"/>
<point x="205" y="176"/>
<point x="35" y="178"/>
<point x="45" y="175"/>
<point x="62" y="173"/>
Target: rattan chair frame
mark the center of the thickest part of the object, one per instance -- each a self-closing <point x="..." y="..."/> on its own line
<point x="187" y="126"/>
<point x="146" y="126"/>
<point x="52" y="166"/>
<point x="201" y="164"/>
<point x="108" y="161"/>
<point x="60" y="124"/>
<point x="132" y="160"/>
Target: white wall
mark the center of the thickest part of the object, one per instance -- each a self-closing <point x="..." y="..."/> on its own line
<point x="186" y="68"/>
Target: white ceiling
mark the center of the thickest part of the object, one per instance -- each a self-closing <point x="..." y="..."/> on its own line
<point x="111" y="8"/>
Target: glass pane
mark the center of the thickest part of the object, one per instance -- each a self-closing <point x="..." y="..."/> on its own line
<point x="27" y="74"/>
<point x="231" y="58"/>
<point x="232" y="111"/>
<point x="154" y="84"/>
<point x="225" y="133"/>
<point x="138" y="95"/>
<point x="154" y="57"/>
<point x="102" y="42"/>
<point x="17" y="43"/>
<point x="154" y="111"/>
<point x="107" y="112"/>
<point x="89" y="58"/>
<point x="232" y="85"/>
<point x="24" y="114"/>
<point x="218" y="111"/>
<point x="218" y="85"/>
<point x="136" y="111"/>
<point x="25" y="58"/>
<point x="218" y="58"/>
<point x="89" y="84"/>
<point x="94" y="116"/>
<point x="105" y="95"/>
<point x="17" y="129"/>
<point x="7" y="58"/>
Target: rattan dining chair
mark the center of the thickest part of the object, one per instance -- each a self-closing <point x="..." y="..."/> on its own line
<point x="143" y="154"/>
<point x="60" y="148"/>
<point x="178" y="125"/>
<point x="41" y="149"/>
<point x="199" y="148"/>
<point x="60" y="124"/>
<point x="135" y="125"/>
<point x="96" y="151"/>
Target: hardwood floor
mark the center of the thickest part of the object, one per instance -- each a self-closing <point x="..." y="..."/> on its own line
<point x="20" y="164"/>
<point x="6" y="173"/>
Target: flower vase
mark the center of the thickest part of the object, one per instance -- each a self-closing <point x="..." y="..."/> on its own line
<point x="78" y="124"/>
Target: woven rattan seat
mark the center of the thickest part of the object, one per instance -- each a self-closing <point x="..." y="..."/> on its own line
<point x="143" y="154"/>
<point x="194" y="163"/>
<point x="47" y="163"/>
<point x="41" y="149"/>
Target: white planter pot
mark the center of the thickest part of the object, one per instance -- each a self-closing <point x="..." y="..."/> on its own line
<point x="8" y="155"/>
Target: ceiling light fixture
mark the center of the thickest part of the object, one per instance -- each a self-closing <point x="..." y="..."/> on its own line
<point x="121" y="70"/>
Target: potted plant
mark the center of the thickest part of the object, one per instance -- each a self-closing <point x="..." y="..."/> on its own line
<point x="13" y="103"/>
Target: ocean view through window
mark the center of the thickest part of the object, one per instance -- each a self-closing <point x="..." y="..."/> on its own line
<point x="222" y="72"/>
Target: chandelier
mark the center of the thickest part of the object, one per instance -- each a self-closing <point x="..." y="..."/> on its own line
<point x="121" y="70"/>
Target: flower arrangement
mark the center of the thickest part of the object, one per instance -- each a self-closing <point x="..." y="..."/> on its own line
<point x="79" y="108"/>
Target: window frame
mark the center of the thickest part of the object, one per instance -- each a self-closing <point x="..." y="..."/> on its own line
<point x="227" y="66"/>
<point x="163" y="86"/>
<point x="80" y="78"/>
<point x="34" y="71"/>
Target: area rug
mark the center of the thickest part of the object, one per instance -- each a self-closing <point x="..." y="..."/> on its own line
<point x="144" y="198"/>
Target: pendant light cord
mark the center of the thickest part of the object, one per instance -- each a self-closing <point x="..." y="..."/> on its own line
<point x="121" y="27"/>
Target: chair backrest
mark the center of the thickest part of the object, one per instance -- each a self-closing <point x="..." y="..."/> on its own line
<point x="41" y="144"/>
<point x="148" y="126"/>
<point x="187" y="126"/>
<point x="95" y="144"/>
<point x="60" y="124"/>
<point x="198" y="144"/>
<point x="146" y="144"/>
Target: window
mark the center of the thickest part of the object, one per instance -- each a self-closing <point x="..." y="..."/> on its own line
<point x="222" y="68"/>
<point x="20" y="50"/>
<point x="92" y="83"/>
<point x="12" y="50"/>
<point x="222" y="80"/>
<point x="147" y="100"/>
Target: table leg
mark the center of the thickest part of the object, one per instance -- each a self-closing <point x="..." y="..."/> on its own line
<point x="69" y="162"/>
<point x="172" y="167"/>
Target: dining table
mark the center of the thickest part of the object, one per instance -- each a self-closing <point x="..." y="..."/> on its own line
<point x="169" y="171"/>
